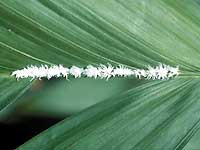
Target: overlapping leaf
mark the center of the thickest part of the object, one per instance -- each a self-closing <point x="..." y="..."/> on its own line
<point x="10" y="91"/>
<point x="137" y="33"/>
<point x="62" y="97"/>
<point x="155" y="115"/>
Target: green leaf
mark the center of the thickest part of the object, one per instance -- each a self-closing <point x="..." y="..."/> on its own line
<point x="10" y="91"/>
<point x="194" y="142"/>
<point x="73" y="96"/>
<point x="155" y="115"/>
<point x="136" y="33"/>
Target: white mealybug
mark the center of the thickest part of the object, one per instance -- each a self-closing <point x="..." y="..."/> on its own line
<point x="105" y="71"/>
<point x="122" y="71"/>
<point x="91" y="71"/>
<point x="76" y="71"/>
<point x="161" y="72"/>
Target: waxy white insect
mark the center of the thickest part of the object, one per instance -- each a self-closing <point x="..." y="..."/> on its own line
<point x="160" y="72"/>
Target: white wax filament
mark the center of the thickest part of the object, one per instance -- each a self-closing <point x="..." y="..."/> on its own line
<point x="161" y="72"/>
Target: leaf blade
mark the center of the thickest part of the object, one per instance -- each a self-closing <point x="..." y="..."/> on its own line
<point x="10" y="92"/>
<point x="128" y="121"/>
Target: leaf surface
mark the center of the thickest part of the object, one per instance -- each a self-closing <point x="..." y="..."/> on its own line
<point x="136" y="33"/>
<point x="155" y="115"/>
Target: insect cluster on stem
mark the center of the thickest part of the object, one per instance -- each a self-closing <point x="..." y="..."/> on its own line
<point x="160" y="72"/>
